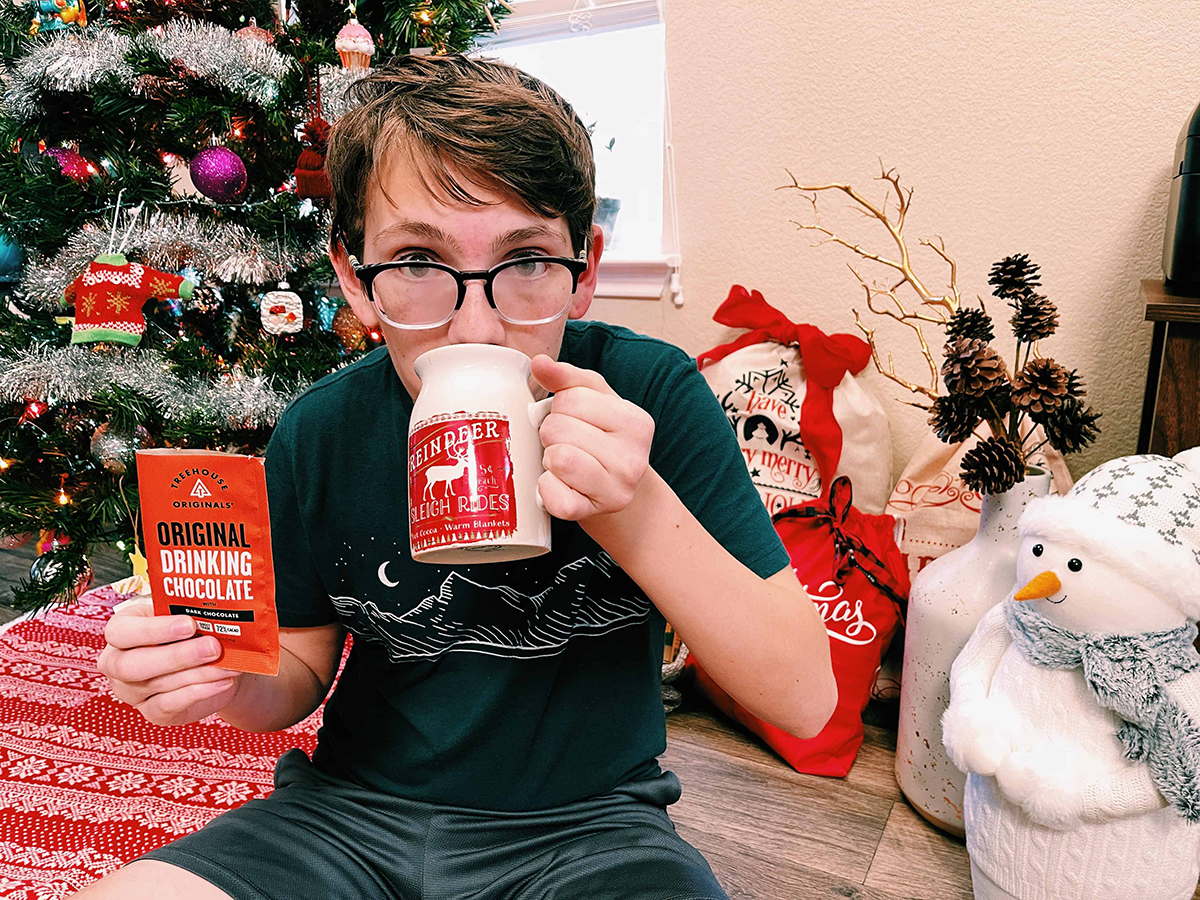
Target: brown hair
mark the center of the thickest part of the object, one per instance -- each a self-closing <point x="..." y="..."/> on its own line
<point x="500" y="127"/>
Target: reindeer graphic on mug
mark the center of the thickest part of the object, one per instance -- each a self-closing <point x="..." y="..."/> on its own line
<point x="448" y="474"/>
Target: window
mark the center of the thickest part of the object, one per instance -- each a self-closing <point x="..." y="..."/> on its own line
<point x="607" y="59"/>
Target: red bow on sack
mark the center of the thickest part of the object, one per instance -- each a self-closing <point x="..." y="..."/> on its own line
<point x="827" y="359"/>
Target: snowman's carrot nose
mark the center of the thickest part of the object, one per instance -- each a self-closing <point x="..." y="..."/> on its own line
<point x="1043" y="585"/>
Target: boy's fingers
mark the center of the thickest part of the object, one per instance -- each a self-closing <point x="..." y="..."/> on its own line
<point x="137" y="626"/>
<point x="606" y="411"/>
<point x="561" y="501"/>
<point x="144" y="663"/>
<point x="581" y="472"/>
<point x="559" y="376"/>
<point x="560" y="429"/>
<point x="189" y="704"/>
<point x="137" y="694"/>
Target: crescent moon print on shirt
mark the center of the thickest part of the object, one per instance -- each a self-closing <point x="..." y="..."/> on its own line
<point x="586" y="597"/>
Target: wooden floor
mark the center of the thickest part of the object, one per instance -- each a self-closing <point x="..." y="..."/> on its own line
<point x="108" y="564"/>
<point x="771" y="833"/>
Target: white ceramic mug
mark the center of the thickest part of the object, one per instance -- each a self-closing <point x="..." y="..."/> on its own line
<point x="474" y="458"/>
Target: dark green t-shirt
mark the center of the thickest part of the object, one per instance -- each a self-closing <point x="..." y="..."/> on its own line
<point x="506" y="686"/>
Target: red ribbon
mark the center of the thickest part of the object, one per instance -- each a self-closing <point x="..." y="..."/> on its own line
<point x="827" y="359"/>
<point x="849" y="550"/>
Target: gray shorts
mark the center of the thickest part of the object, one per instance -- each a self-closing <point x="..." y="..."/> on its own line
<point x="322" y="837"/>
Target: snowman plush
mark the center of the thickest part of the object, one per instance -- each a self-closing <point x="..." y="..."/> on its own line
<point x="1075" y="706"/>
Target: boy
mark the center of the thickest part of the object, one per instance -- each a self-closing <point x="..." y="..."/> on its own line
<point x="479" y="765"/>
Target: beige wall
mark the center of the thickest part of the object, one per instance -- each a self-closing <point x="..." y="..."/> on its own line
<point x="1045" y="129"/>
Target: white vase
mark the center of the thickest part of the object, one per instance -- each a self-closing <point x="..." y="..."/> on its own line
<point x="947" y="600"/>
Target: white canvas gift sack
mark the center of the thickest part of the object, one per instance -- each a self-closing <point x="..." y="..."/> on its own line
<point x="801" y="416"/>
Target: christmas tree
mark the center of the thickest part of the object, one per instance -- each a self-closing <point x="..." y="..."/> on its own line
<point x="163" y="227"/>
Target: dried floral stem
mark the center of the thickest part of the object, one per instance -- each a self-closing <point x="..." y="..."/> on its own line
<point x="996" y="424"/>
<point x="940" y="250"/>
<point x="890" y="371"/>
<point x="943" y="306"/>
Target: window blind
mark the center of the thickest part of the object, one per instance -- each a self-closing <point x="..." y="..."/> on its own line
<point x="541" y="20"/>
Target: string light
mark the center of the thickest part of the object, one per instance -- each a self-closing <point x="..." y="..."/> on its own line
<point x="4" y="464"/>
<point x="63" y="499"/>
<point x="33" y="410"/>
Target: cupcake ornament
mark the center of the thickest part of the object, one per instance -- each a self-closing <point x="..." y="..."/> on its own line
<point x="354" y="45"/>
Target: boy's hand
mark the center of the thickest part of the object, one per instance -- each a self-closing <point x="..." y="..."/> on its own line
<point x="158" y="665"/>
<point x="597" y="444"/>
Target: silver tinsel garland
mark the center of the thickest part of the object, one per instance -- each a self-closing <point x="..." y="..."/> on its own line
<point x="335" y="83"/>
<point x="69" y="61"/>
<point x="77" y="61"/>
<point x="74" y="374"/>
<point x="169" y="241"/>
<point x="248" y="68"/>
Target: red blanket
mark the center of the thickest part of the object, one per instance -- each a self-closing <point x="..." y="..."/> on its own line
<point x="87" y="784"/>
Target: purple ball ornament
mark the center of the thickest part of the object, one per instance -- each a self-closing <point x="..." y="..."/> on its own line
<point x="219" y="174"/>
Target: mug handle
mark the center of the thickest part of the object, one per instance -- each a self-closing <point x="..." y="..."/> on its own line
<point x="537" y="414"/>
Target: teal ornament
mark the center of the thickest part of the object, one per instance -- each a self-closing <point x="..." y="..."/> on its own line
<point x="327" y="308"/>
<point x="54" y="15"/>
<point x="11" y="257"/>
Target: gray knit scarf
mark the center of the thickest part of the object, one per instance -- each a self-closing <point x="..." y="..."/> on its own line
<point x="1128" y="674"/>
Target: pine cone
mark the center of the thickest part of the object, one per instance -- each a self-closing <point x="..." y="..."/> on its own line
<point x="1014" y="276"/>
<point x="1072" y="427"/>
<point x="1040" y="388"/>
<point x="1035" y="317"/>
<point x="970" y="323"/>
<point x="992" y="466"/>
<point x="1075" y="385"/>
<point x="953" y="417"/>
<point x="972" y="367"/>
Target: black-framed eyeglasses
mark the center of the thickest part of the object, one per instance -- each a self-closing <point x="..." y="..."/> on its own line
<point x="417" y="294"/>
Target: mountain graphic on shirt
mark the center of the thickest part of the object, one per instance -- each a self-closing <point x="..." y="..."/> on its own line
<point x="586" y="597"/>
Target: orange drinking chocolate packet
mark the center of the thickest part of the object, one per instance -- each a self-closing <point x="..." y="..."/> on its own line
<point x="208" y="545"/>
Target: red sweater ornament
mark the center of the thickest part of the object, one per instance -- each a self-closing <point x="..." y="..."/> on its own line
<point x="110" y="294"/>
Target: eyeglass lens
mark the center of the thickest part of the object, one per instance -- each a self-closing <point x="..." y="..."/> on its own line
<point x="422" y="295"/>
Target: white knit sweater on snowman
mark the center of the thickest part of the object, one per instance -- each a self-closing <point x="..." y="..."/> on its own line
<point x="1110" y="855"/>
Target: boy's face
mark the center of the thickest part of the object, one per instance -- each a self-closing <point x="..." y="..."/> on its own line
<point x="403" y="217"/>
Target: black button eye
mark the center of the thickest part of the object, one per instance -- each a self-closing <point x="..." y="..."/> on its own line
<point x="1074" y="564"/>
<point x="1038" y="549"/>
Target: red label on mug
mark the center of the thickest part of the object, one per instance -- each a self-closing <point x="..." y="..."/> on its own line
<point x="460" y="480"/>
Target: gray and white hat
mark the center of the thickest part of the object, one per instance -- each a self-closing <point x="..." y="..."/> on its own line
<point x="1140" y="514"/>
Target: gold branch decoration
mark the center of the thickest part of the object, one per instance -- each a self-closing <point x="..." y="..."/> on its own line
<point x="882" y="299"/>
<point x="1039" y="402"/>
